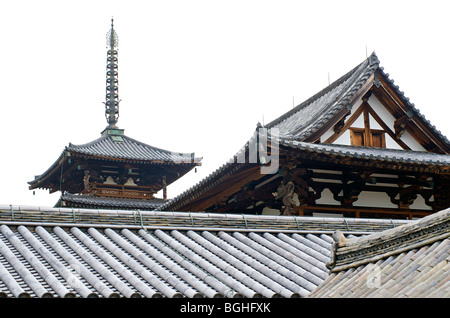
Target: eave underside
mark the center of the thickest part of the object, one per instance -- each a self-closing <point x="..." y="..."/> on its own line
<point x="245" y="189"/>
<point x="67" y="174"/>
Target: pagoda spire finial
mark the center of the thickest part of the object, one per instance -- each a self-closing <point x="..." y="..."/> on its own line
<point x="112" y="95"/>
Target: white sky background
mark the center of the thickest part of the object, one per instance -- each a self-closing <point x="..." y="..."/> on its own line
<point x="196" y="76"/>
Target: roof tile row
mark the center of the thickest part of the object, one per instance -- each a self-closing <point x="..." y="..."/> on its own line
<point x="91" y="262"/>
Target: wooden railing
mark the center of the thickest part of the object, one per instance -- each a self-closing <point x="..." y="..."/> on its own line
<point x="120" y="191"/>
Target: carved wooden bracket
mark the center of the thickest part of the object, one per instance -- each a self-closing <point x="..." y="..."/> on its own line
<point x="351" y="188"/>
<point x="340" y="124"/>
<point x="285" y="192"/>
<point x="303" y="185"/>
<point x="406" y="196"/>
<point x="400" y="125"/>
<point x="86" y="181"/>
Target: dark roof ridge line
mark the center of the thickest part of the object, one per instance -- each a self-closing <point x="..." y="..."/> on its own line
<point x="411" y="105"/>
<point x="379" y="245"/>
<point x="372" y="59"/>
<point x="183" y="220"/>
<point x="71" y="146"/>
<point x="178" y="228"/>
<point x="54" y="166"/>
<point x="352" y="151"/>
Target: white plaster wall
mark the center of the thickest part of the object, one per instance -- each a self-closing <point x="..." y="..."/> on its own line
<point x="344" y="139"/>
<point x="327" y="215"/>
<point x="419" y="203"/>
<point x="374" y="199"/>
<point x="327" y="198"/>
<point x="109" y="180"/>
<point x="269" y="211"/>
<point x="384" y="114"/>
<point x="130" y="182"/>
<point x="388" y="119"/>
<point x="326" y="135"/>
<point x="359" y="122"/>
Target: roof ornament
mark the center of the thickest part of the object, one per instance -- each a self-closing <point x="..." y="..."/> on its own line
<point x="112" y="96"/>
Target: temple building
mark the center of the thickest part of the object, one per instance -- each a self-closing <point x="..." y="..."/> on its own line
<point x="358" y="148"/>
<point x="358" y="152"/>
<point x="113" y="171"/>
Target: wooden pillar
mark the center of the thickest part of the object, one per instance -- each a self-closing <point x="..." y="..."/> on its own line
<point x="164" y="182"/>
<point x="86" y="178"/>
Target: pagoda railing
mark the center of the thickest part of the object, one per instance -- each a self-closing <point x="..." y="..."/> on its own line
<point x="120" y="191"/>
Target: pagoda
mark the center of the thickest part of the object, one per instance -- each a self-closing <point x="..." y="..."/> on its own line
<point x="113" y="171"/>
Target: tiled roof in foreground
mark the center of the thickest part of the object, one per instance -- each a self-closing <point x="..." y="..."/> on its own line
<point x="51" y="252"/>
<point x="412" y="260"/>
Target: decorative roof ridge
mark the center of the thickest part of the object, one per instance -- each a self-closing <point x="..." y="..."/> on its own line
<point x="106" y="136"/>
<point x="112" y="95"/>
<point x="361" y="152"/>
<point x="90" y="201"/>
<point x="371" y="61"/>
<point x="412" y="106"/>
<point x="54" y="166"/>
<point x="79" y="195"/>
<point x="354" y="252"/>
<point x="35" y="215"/>
<point x="182" y="157"/>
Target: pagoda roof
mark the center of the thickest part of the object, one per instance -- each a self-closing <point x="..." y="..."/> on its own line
<point x="113" y="146"/>
<point x="122" y="147"/>
<point x="102" y="202"/>
<point x="117" y="147"/>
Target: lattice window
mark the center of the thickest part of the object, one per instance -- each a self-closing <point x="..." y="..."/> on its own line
<point x="369" y="138"/>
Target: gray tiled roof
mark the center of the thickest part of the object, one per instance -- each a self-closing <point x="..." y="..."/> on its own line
<point x="386" y="155"/>
<point x="118" y="148"/>
<point x="306" y="118"/>
<point x="412" y="107"/>
<point x="371" y="153"/>
<point x="412" y="260"/>
<point x="49" y="252"/>
<point x="129" y="149"/>
<point x="91" y="201"/>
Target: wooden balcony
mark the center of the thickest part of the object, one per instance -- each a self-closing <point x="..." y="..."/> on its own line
<point x="120" y="191"/>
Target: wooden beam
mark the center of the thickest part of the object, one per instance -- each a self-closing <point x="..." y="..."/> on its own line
<point x="367" y="133"/>
<point x="347" y="124"/>
<point x="386" y="128"/>
<point x="228" y="186"/>
<point x="366" y="87"/>
<point x="398" y="109"/>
